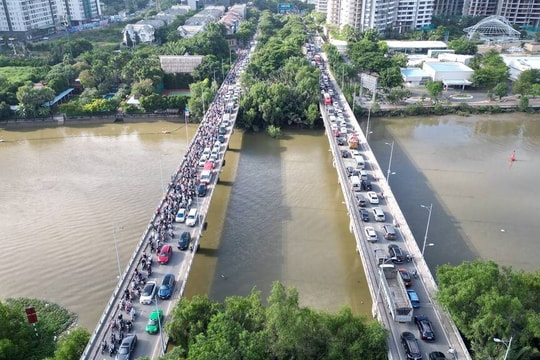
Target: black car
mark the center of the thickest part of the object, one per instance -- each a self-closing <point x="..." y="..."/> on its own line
<point x="365" y="215"/>
<point x="201" y="190"/>
<point x="366" y="185"/>
<point x="185" y="239"/>
<point x="341" y="141"/>
<point x="405" y="276"/>
<point x="345" y="153"/>
<point x="436" y="355"/>
<point x="395" y="253"/>
<point x="361" y="200"/>
<point x="167" y="286"/>
<point x="126" y="348"/>
<point x="424" y="327"/>
<point x="410" y="344"/>
<point x="351" y="171"/>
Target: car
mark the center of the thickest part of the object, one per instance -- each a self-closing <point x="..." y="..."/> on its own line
<point x="155" y="320"/>
<point x="185" y="239"/>
<point x="410" y="344"/>
<point x="148" y="293"/>
<point x="425" y="329"/>
<point x="181" y="215"/>
<point x="361" y="200"/>
<point x="167" y="286"/>
<point x="201" y="190"/>
<point x="405" y="276"/>
<point x="395" y="253"/>
<point x="373" y="197"/>
<point x="436" y="355"/>
<point x="126" y="348"/>
<point x="345" y="154"/>
<point x="165" y="254"/>
<point x="371" y="234"/>
<point x="341" y="141"/>
<point x="366" y="185"/>
<point x="413" y="296"/>
<point x="351" y="171"/>
<point x="221" y="138"/>
<point x="364" y="214"/>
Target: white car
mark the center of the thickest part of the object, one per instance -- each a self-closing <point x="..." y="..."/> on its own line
<point x="181" y="216"/>
<point x="373" y="198"/>
<point x="148" y="293"/>
<point x="371" y="234"/>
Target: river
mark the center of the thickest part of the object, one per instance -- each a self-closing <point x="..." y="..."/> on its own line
<point x="70" y="194"/>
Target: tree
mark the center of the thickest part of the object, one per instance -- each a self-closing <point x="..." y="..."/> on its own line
<point x="72" y="345"/>
<point x="435" y="88"/>
<point x="489" y="70"/>
<point x="500" y="90"/>
<point x="526" y="81"/>
<point x="486" y="300"/>
<point x="390" y="78"/>
<point x="463" y="46"/>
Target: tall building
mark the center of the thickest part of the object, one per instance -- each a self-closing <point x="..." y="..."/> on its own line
<point x="333" y="8"/>
<point x="22" y="18"/>
<point x="479" y="7"/>
<point x="413" y="14"/>
<point x="522" y="12"/>
<point x="350" y="13"/>
<point x="448" y="7"/>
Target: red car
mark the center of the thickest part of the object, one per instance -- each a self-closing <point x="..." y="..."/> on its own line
<point x="165" y="254"/>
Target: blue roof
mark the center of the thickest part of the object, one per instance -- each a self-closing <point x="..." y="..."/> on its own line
<point x="58" y="97"/>
<point x="413" y="72"/>
<point x="446" y="66"/>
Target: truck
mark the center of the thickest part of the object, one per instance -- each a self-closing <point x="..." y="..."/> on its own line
<point x="353" y="141"/>
<point x="394" y="291"/>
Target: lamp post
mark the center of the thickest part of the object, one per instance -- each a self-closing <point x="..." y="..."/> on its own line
<point x="429" y="208"/>
<point x="507" y="345"/>
<point x="117" y="256"/>
<point x="389" y="162"/>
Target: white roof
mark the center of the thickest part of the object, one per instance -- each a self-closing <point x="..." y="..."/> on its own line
<point x="397" y="44"/>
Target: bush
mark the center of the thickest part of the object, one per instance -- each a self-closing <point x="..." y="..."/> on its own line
<point x="273" y="131"/>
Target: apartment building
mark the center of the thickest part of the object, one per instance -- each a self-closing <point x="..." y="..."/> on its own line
<point x="448" y="7"/>
<point x="522" y="12"/>
<point x="24" y="17"/>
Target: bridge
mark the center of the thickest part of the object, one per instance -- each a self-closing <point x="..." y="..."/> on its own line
<point x="217" y="125"/>
<point x="211" y="143"/>
<point x="375" y="254"/>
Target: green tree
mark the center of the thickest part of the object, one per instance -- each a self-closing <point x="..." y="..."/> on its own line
<point x="489" y="70"/>
<point x="435" y="88"/>
<point x="500" y="90"/>
<point x="71" y="346"/>
<point x="463" y="46"/>
<point x="390" y="78"/>
<point x="525" y="82"/>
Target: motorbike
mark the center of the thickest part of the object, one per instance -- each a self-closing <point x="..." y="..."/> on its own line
<point x="112" y="349"/>
<point x="104" y="346"/>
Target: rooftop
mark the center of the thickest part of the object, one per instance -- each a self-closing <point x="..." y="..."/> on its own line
<point x="448" y="66"/>
<point x="397" y="44"/>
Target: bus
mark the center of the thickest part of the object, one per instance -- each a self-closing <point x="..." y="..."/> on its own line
<point x="327" y="99"/>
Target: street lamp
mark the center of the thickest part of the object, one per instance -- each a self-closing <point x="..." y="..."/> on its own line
<point x="389" y="162"/>
<point x="117" y="256"/>
<point x="508" y="345"/>
<point x="429" y="208"/>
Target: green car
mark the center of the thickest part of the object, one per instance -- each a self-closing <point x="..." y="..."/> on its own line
<point x="154" y="320"/>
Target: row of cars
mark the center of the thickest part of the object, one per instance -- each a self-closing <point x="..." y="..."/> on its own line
<point x="362" y="186"/>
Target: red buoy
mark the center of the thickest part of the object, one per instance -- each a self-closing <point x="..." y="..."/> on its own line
<point x="513" y="156"/>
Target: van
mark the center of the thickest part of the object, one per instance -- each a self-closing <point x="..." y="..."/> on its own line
<point x="191" y="219"/>
<point x="356" y="183"/>
<point x="360" y="163"/>
<point x="363" y="175"/>
<point x="379" y="214"/>
<point x="389" y="232"/>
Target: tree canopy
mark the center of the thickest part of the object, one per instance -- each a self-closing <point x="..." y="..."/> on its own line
<point x="489" y="70"/>
<point x="487" y="301"/>
<point x="242" y="328"/>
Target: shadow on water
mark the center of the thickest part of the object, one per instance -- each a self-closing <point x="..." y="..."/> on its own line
<point x="226" y="183"/>
<point x="252" y="241"/>
<point x="412" y="189"/>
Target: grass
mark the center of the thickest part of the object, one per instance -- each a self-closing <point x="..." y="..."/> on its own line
<point x="17" y="74"/>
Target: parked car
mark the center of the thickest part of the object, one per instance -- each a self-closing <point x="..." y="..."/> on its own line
<point x="371" y="234"/>
<point x="436" y="355"/>
<point x="148" y="293"/>
<point x="425" y="329"/>
<point x="395" y="253"/>
<point x="365" y="215"/>
<point x="126" y="348"/>
<point x="410" y="344"/>
<point x="373" y="197"/>
<point x="155" y="321"/>
<point x="167" y="286"/>
<point x="185" y="239"/>
<point x="405" y="276"/>
<point x="165" y="254"/>
<point x="181" y="215"/>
